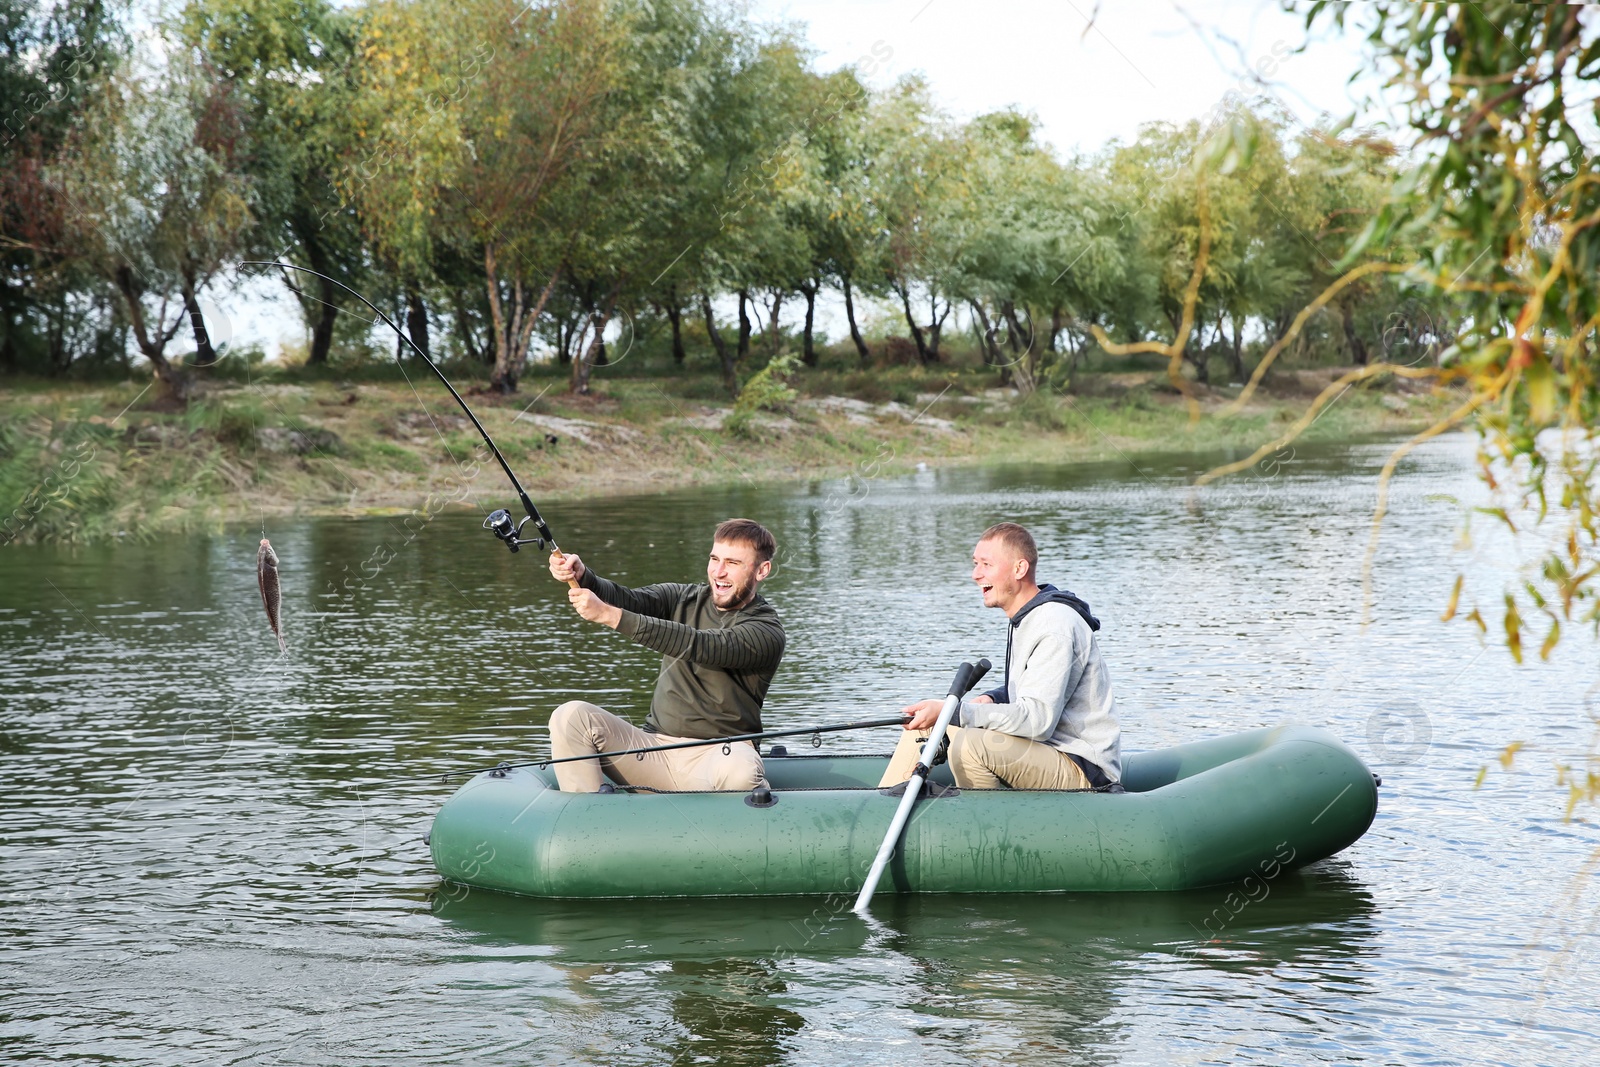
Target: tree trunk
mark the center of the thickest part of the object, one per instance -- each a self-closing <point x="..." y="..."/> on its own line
<point x="808" y="352"/>
<point x="153" y="345"/>
<point x="585" y="363"/>
<point x="936" y="326"/>
<point x="862" y="353"/>
<point x="60" y="355"/>
<point x="512" y="335"/>
<point x="1237" y="351"/>
<point x="744" y="327"/>
<point x="204" y="354"/>
<point x="1358" y="347"/>
<point x="916" y="331"/>
<point x="8" y="352"/>
<point x="322" y="324"/>
<point x="730" y="379"/>
<point x="985" y="332"/>
<point x="464" y="327"/>
<point x="1022" y="358"/>
<point x="321" y="317"/>
<point x="568" y="333"/>
<point x="1056" y="322"/>
<point x="501" y="378"/>
<point x="1076" y="347"/>
<point x="675" y="316"/>
<point x="417" y="321"/>
<point x="772" y="326"/>
<point x="531" y="317"/>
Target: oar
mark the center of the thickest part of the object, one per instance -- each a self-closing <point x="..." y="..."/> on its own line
<point x="801" y="731"/>
<point x="967" y="676"/>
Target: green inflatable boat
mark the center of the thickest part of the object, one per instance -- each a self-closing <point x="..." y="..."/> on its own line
<point x="1248" y="805"/>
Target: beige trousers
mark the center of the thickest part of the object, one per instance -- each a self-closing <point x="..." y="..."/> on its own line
<point x="989" y="759"/>
<point x="906" y="753"/>
<point x="579" y="726"/>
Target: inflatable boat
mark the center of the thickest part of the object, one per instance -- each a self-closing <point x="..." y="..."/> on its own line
<point x="1249" y="805"/>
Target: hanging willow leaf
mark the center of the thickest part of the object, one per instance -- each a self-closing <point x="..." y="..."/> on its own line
<point x="1455" y="599"/>
<point x="1550" y="639"/>
<point x="1541" y="379"/>
<point x="1513" y="628"/>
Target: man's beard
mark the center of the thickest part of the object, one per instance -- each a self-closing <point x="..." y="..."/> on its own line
<point x="736" y="596"/>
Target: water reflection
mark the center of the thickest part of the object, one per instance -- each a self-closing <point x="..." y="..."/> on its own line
<point x="960" y="977"/>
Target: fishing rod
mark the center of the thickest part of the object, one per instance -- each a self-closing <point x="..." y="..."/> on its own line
<point x="813" y="731"/>
<point x="499" y="522"/>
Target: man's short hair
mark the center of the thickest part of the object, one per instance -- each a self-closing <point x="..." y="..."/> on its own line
<point x="1018" y="540"/>
<point x="748" y="532"/>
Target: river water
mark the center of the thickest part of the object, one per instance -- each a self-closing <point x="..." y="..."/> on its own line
<point x="214" y="855"/>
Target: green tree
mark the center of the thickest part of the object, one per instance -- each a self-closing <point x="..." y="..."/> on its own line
<point x="844" y="221"/>
<point x="286" y="65"/>
<point x="472" y="122"/>
<point x="154" y="202"/>
<point x="54" y="58"/>
<point x="637" y="226"/>
<point x="919" y="183"/>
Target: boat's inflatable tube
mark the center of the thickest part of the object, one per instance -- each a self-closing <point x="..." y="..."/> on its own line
<point x="1251" y="804"/>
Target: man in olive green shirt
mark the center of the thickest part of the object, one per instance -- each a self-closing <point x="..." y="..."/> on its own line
<point x="720" y="644"/>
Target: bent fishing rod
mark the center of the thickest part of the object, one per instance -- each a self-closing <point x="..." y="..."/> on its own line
<point x="499" y="522"/>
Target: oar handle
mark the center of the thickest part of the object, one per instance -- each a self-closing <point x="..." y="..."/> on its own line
<point x="966" y="677"/>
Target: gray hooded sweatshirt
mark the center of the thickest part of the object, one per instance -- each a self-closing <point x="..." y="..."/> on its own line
<point x="1057" y="691"/>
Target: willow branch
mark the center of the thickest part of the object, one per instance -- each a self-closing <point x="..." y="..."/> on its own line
<point x="1324" y="398"/>
<point x="1333" y="290"/>
<point x="1385" y="476"/>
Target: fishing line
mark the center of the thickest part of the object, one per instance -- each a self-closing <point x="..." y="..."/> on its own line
<point x="286" y="267"/>
<point x="500" y="522"/>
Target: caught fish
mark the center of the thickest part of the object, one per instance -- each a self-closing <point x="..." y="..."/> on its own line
<point x="271" y="593"/>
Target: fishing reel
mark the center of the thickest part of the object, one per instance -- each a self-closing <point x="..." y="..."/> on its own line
<point x="499" y="523"/>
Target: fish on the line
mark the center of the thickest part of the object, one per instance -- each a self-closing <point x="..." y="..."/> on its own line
<point x="271" y="592"/>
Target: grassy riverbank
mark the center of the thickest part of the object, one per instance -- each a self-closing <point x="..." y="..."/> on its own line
<point x="80" y="462"/>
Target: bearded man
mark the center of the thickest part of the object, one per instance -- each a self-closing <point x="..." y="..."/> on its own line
<point x="720" y="642"/>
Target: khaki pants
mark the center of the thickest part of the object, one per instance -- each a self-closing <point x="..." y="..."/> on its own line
<point x="989" y="759"/>
<point x="579" y="726"/>
<point x="906" y="752"/>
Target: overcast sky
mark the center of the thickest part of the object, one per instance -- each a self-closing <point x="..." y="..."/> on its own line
<point x="1141" y="61"/>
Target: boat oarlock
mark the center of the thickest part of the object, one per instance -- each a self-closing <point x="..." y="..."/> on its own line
<point x="500" y="521"/>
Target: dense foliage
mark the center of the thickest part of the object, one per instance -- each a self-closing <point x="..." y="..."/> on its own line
<point x="514" y="178"/>
<point x="1499" y="209"/>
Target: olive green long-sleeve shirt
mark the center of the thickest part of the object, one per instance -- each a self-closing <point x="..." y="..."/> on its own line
<point x="716" y="665"/>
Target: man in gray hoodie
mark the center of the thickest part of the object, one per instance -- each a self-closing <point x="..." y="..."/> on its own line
<point x="1053" y="724"/>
